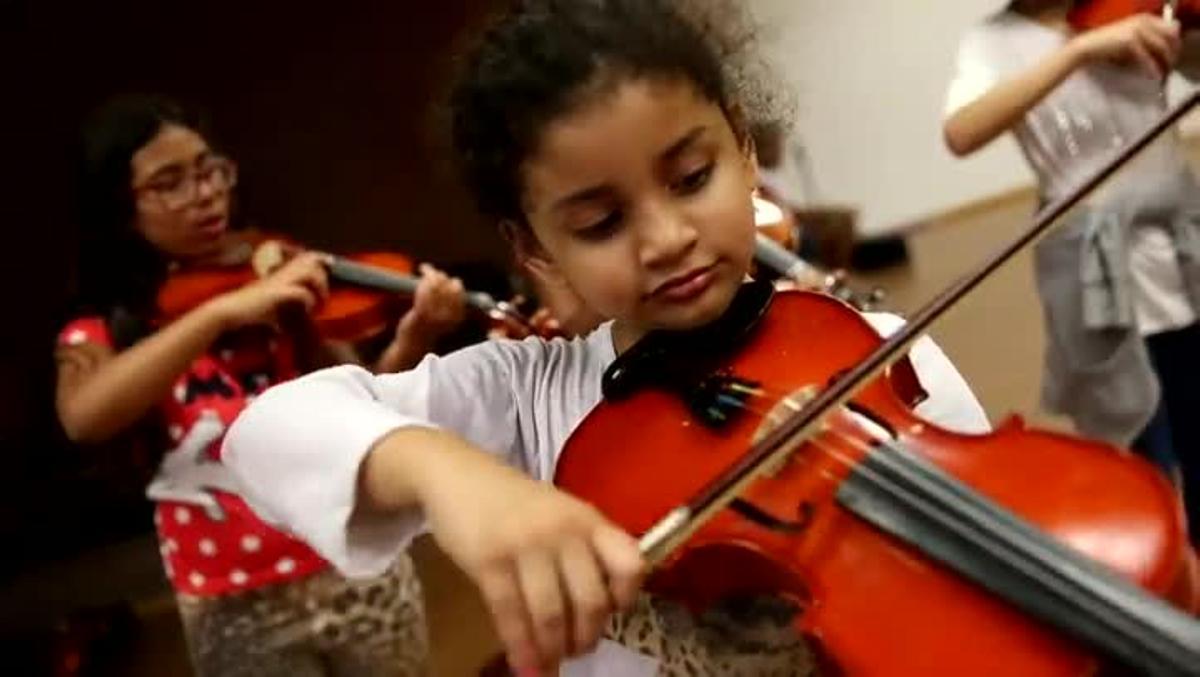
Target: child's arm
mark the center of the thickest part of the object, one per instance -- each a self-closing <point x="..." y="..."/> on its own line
<point x="100" y="392"/>
<point x="1146" y="40"/>
<point x="438" y="308"/>
<point x="357" y="464"/>
<point x="550" y="567"/>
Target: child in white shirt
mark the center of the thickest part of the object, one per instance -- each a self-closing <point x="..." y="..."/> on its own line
<point x="1119" y="279"/>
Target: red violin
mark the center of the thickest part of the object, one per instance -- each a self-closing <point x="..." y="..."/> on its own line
<point x="911" y="550"/>
<point x="1090" y="14"/>
<point x="773" y="457"/>
<point x="367" y="300"/>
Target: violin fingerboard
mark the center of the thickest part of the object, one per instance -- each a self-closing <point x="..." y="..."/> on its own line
<point x="368" y="276"/>
<point x="386" y="280"/>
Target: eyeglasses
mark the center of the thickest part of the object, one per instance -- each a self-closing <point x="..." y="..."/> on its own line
<point x="177" y="188"/>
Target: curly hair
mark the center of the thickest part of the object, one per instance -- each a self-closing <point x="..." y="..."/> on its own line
<point x="543" y="58"/>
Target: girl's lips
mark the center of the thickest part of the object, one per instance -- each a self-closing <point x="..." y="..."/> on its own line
<point x="685" y="287"/>
<point x="213" y="226"/>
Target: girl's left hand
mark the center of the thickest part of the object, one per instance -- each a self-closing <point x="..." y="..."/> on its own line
<point x="439" y="307"/>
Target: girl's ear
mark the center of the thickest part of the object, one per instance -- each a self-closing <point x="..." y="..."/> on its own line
<point x="530" y="254"/>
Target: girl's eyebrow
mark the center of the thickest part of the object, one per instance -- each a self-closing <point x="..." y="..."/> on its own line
<point x="176" y="167"/>
<point x="580" y="196"/>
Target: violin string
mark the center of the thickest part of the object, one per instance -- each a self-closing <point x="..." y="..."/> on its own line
<point x="825" y="442"/>
<point x="822" y="439"/>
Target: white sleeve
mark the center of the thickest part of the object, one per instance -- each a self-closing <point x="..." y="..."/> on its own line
<point x="975" y="72"/>
<point x="950" y="404"/>
<point x="297" y="449"/>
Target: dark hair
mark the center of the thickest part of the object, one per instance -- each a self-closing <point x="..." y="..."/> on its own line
<point x="769" y="138"/>
<point x="119" y="271"/>
<point x="543" y="57"/>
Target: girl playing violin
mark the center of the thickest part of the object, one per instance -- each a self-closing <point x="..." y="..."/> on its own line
<point x="1119" y="281"/>
<point x="156" y="196"/>
<point x="609" y="140"/>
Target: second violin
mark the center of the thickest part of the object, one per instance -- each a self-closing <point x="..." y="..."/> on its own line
<point x="778" y="235"/>
<point x="366" y="302"/>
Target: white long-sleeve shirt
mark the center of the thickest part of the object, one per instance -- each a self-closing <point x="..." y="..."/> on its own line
<point x="298" y="448"/>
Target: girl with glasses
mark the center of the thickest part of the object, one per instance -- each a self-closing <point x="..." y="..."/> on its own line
<point x="157" y="197"/>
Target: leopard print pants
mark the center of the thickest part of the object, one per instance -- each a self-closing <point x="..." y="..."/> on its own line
<point x="322" y="626"/>
<point x="750" y="636"/>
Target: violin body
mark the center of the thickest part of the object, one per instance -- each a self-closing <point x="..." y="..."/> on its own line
<point x="873" y="604"/>
<point x="1089" y="14"/>
<point x="350" y="313"/>
<point x="353" y="313"/>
